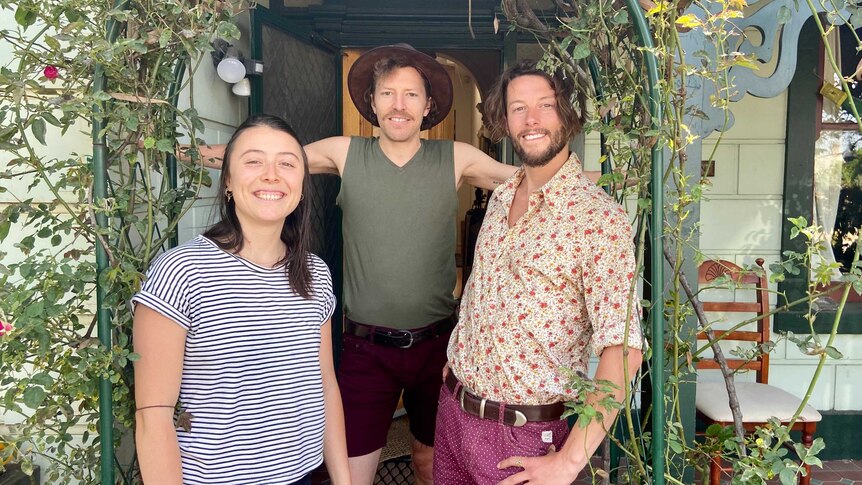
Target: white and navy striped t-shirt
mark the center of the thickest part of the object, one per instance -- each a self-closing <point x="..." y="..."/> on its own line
<point x="251" y="371"/>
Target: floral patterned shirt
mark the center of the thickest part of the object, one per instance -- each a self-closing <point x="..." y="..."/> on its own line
<point x="546" y="291"/>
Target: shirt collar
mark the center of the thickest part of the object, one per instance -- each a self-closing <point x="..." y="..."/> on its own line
<point x="556" y="192"/>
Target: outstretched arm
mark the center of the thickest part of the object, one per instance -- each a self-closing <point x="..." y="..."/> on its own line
<point x="324" y="156"/>
<point x="564" y="466"/>
<point x="480" y="170"/>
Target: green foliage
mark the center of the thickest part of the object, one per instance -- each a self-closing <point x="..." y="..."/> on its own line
<point x="52" y="360"/>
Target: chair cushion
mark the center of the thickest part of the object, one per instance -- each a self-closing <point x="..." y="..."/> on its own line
<point x="758" y="402"/>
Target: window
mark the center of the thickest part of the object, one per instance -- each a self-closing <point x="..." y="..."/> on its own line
<point x="822" y="173"/>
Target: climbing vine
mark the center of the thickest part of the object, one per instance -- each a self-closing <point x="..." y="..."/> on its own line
<point x="54" y="53"/>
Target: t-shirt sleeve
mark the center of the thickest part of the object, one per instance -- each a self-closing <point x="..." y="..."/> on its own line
<point x="167" y="289"/>
<point x="611" y="302"/>
<point x="323" y="289"/>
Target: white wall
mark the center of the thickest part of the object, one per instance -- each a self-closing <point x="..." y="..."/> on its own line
<point x="741" y="218"/>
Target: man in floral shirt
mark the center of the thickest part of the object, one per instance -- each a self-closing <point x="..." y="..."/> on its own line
<point x="553" y="279"/>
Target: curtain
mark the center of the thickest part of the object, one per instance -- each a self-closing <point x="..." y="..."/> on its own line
<point x="828" y="161"/>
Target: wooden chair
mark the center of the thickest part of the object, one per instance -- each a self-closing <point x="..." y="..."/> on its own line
<point x="758" y="401"/>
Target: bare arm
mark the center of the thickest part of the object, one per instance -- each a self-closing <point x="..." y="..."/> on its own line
<point x="160" y="342"/>
<point x="564" y="466"/>
<point x="328" y="155"/>
<point x="324" y="156"/>
<point x="334" y="441"/>
<point x="478" y="169"/>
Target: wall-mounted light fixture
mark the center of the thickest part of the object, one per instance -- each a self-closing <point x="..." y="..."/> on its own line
<point x="232" y="67"/>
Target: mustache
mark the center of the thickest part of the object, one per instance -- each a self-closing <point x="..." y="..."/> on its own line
<point x="398" y="113"/>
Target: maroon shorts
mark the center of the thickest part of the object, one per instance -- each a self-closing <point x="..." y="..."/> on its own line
<point x="371" y="378"/>
<point x="467" y="448"/>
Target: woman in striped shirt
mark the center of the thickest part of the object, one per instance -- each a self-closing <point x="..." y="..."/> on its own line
<point x="233" y="328"/>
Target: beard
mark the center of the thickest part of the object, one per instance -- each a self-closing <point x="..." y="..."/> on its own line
<point x="540" y="159"/>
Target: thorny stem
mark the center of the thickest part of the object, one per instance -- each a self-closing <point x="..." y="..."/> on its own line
<point x="718" y="354"/>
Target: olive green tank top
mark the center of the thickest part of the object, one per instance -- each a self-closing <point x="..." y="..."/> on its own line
<point x="399" y="234"/>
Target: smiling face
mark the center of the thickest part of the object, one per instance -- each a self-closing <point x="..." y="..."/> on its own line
<point x="533" y="120"/>
<point x="400" y="102"/>
<point x="265" y="174"/>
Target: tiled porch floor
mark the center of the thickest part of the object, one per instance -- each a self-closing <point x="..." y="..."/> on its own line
<point x="835" y="472"/>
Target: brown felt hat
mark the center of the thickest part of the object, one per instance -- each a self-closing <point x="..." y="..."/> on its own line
<point x="361" y="74"/>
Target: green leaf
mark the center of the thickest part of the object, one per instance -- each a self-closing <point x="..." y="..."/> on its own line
<point x="817" y="446"/>
<point x="787" y="475"/>
<point x="43" y="379"/>
<point x="165" y="145"/>
<point x="24" y="16"/>
<point x="52" y="119"/>
<point x="833" y="352"/>
<point x="4" y="229"/>
<point x="165" y="38"/>
<point x="800" y="222"/>
<point x="132" y="123"/>
<point x="581" y="51"/>
<point x="34" y="396"/>
<point x="52" y="43"/>
<point x="227" y="31"/>
<point x="38" y="128"/>
<point x="149" y="142"/>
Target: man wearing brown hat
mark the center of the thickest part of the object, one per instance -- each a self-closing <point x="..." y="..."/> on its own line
<point x="399" y="200"/>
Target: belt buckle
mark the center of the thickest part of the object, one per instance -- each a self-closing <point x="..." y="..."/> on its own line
<point x="520" y="419"/>
<point x="410" y="342"/>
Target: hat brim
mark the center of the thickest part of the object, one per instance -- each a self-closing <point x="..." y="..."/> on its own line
<point x="361" y="74"/>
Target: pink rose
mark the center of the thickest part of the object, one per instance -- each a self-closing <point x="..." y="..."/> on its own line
<point x="50" y="72"/>
<point x="5" y="328"/>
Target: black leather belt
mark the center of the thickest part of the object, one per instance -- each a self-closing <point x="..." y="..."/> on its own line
<point x="513" y="414"/>
<point x="393" y="337"/>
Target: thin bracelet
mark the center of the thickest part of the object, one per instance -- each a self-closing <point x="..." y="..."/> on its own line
<point x="153" y="406"/>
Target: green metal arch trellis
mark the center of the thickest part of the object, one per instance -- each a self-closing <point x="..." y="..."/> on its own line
<point x="644" y="38"/>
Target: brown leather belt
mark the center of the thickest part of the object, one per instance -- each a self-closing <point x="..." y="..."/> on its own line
<point x="513" y="415"/>
<point x="393" y="337"/>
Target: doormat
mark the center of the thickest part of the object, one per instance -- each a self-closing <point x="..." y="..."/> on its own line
<point x="398" y="441"/>
<point x="396" y="471"/>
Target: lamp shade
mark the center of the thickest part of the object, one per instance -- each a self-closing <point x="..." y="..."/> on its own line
<point x="231" y="70"/>
<point x="242" y="88"/>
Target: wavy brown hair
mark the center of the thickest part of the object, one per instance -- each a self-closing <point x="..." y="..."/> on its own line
<point x="385" y="67"/>
<point x="295" y="233"/>
<point x="495" y="104"/>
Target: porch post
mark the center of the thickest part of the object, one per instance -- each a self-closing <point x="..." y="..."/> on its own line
<point x="656" y="246"/>
<point x="103" y="316"/>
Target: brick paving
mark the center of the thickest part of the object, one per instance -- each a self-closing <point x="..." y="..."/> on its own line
<point x="834" y="472"/>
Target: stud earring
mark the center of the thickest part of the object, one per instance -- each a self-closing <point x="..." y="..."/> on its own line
<point x="228" y="194"/>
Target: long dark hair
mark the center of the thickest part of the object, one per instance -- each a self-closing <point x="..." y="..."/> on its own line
<point x="495" y="104"/>
<point x="295" y="233"/>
